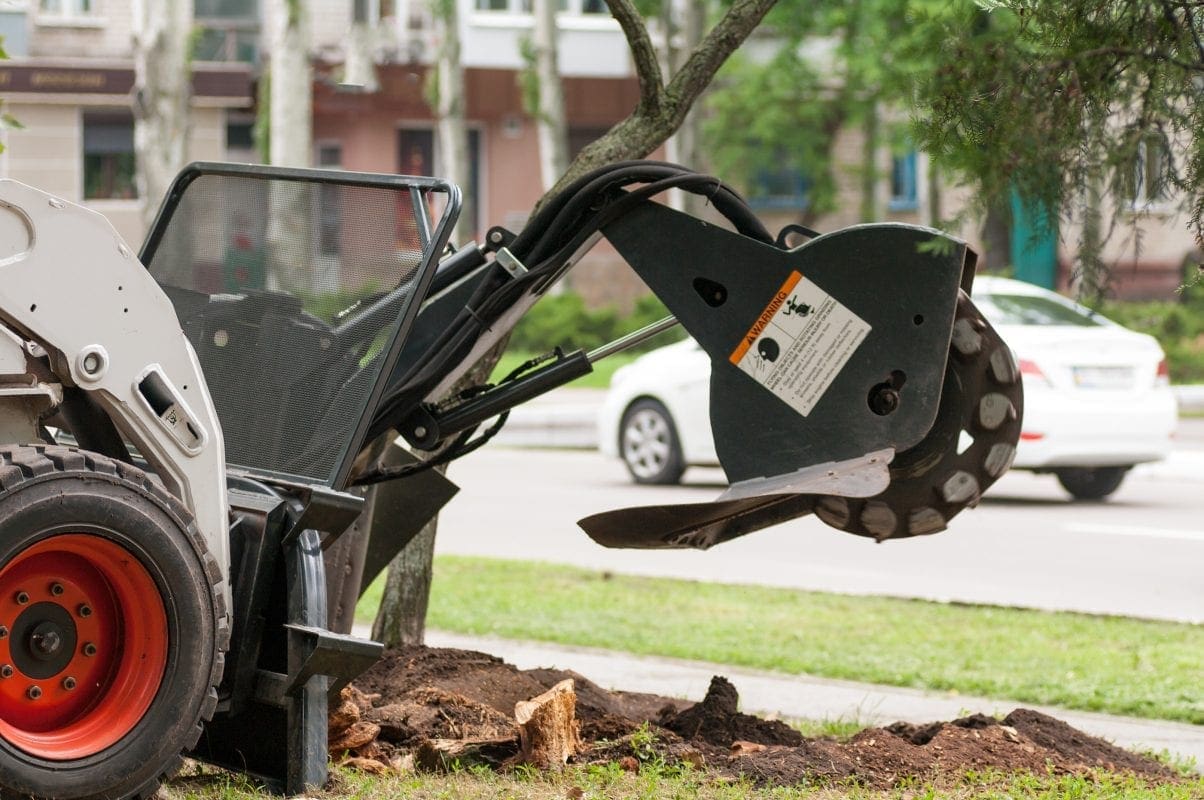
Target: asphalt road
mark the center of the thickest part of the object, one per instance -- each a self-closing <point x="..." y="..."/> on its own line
<point x="1027" y="544"/>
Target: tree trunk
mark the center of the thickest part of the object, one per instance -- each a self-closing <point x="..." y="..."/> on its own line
<point x="162" y="93"/>
<point x="451" y="131"/>
<point x="869" y="175"/>
<point x="360" y="67"/>
<point x="401" y="619"/>
<point x="549" y="119"/>
<point x="548" y="732"/>
<point x="934" y="194"/>
<point x="291" y="103"/>
<point x="996" y="237"/>
<point x="681" y="38"/>
<point x="661" y="110"/>
<point x="290" y="122"/>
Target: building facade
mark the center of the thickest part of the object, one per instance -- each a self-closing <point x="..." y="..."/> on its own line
<point x="69" y="76"/>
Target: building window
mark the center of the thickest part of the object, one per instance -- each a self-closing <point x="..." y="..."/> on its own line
<point x="109" y="155"/>
<point x="417" y="157"/>
<point x="371" y="12"/>
<point x="580" y="137"/>
<point x="330" y="202"/>
<point x="67" y="9"/>
<point x="1151" y="173"/>
<point x="786" y="188"/>
<point x="227" y="30"/>
<point x="574" y="7"/>
<point x="904" y="192"/>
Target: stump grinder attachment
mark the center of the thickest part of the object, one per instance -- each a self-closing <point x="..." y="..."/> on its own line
<point x="199" y="457"/>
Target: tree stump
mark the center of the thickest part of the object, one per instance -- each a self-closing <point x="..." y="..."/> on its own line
<point x="548" y="732"/>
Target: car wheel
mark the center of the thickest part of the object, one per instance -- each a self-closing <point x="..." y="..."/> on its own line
<point x="1091" y="483"/>
<point x="649" y="444"/>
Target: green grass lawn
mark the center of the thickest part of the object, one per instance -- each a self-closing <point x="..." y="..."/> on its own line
<point x="598" y="379"/>
<point x="654" y="781"/>
<point x="1108" y="664"/>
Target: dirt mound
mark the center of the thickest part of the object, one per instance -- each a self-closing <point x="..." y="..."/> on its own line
<point x="418" y="696"/>
<point x="716" y="721"/>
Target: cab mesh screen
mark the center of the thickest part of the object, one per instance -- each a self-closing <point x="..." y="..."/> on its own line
<point x="291" y="291"/>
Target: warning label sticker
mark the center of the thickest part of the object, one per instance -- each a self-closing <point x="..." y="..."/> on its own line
<point x="799" y="343"/>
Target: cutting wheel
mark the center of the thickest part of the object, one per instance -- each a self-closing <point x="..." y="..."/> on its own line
<point x="970" y="445"/>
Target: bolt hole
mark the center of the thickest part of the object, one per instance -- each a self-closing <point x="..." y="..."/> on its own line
<point x="712" y="293"/>
<point x="918" y="320"/>
<point x="125" y="311"/>
<point x="33" y="307"/>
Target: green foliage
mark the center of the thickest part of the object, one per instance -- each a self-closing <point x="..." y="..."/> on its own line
<point x="261" y="130"/>
<point x="564" y="320"/>
<point x="609" y="781"/>
<point x="1178" y="327"/>
<point x="7" y="121"/>
<point x="765" y="118"/>
<point x="1060" y="100"/>
<point x="785" y="113"/>
<point x="528" y="77"/>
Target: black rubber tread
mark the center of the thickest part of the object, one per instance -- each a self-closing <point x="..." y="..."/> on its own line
<point x="917" y="502"/>
<point x="1091" y="483"/>
<point x="25" y="465"/>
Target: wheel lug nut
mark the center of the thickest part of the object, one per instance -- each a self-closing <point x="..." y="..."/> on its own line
<point x="6" y="671"/>
<point x="68" y="683"/>
<point x="22" y="598"/>
<point x="84" y="610"/>
<point x="3" y="632"/>
<point x="56" y="589"/>
<point x="34" y="692"/>
<point x="89" y="649"/>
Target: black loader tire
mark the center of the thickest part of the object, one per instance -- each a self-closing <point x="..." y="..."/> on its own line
<point x="54" y="499"/>
<point x="1091" y="483"/>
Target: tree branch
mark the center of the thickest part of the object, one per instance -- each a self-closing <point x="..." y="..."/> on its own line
<point x="719" y="44"/>
<point x="661" y="110"/>
<point x="647" y="65"/>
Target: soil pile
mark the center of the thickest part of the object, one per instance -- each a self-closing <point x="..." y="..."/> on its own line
<point x="460" y="705"/>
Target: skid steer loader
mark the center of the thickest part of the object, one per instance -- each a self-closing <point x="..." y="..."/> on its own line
<point x="199" y="457"/>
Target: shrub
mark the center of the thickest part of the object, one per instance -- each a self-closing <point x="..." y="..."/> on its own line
<point x="1178" y="327"/>
<point x="564" y="320"/>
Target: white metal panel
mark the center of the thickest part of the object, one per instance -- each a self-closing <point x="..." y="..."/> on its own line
<point x="69" y="283"/>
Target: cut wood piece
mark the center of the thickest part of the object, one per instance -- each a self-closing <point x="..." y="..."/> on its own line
<point x="547" y="727"/>
<point x="358" y="735"/>
<point x="342" y="716"/>
<point x="444" y="755"/>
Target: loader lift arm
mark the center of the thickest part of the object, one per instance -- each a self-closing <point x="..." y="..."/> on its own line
<point x="852" y="377"/>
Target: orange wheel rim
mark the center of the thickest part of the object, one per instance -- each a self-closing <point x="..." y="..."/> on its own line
<point x="83" y="646"/>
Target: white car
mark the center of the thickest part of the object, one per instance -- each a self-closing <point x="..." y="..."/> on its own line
<point x="1097" y="398"/>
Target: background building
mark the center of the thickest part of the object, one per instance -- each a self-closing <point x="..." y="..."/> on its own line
<point x="69" y="77"/>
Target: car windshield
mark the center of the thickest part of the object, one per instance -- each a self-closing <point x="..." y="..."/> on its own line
<point x="1029" y="309"/>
